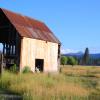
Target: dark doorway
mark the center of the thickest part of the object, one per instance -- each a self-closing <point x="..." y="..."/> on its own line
<point x="39" y="63"/>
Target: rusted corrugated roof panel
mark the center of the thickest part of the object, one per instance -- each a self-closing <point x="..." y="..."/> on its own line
<point x="31" y="28"/>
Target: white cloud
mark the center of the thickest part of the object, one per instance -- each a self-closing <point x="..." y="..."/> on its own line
<point x="65" y="51"/>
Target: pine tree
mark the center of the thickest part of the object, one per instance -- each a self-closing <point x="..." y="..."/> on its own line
<point x="86" y="57"/>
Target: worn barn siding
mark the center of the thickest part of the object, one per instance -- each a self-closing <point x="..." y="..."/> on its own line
<point x="32" y="49"/>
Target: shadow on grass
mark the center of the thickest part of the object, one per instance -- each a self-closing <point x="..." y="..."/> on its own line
<point x="7" y="95"/>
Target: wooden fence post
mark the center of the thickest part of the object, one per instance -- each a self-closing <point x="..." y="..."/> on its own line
<point x="1" y="64"/>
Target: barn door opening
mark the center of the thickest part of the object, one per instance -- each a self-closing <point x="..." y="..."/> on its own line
<point x="39" y="63"/>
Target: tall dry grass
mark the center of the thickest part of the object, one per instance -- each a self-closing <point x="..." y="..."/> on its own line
<point x="63" y="86"/>
<point x="42" y="86"/>
<point x="81" y="70"/>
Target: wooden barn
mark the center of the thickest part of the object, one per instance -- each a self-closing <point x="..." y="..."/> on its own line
<point x="28" y="42"/>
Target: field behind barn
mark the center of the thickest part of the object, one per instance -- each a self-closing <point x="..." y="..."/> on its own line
<point x="73" y="83"/>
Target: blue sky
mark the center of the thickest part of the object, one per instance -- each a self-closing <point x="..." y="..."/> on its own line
<point x="75" y="22"/>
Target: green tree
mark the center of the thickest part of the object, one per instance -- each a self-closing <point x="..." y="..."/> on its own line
<point x="86" y="57"/>
<point x="64" y="60"/>
<point x="72" y="61"/>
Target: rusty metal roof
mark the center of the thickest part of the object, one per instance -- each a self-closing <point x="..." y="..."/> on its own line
<point x="31" y="28"/>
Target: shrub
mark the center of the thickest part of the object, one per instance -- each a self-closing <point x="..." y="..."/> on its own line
<point x="26" y="69"/>
<point x="14" y="68"/>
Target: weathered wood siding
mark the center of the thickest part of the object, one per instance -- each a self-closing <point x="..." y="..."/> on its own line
<point x="32" y="49"/>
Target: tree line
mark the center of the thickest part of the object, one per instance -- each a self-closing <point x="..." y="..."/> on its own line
<point x="68" y="60"/>
<point x="84" y="60"/>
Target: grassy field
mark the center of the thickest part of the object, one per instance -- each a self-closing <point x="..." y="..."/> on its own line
<point x="73" y="83"/>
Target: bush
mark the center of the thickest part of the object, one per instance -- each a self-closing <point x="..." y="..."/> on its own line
<point x="63" y="60"/>
<point x="14" y="68"/>
<point x="26" y="69"/>
<point x="72" y="61"/>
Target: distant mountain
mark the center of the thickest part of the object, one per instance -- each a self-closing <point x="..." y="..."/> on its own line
<point x="80" y="54"/>
<point x="96" y="56"/>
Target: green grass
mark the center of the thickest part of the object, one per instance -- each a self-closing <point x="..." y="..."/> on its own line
<point x="73" y="83"/>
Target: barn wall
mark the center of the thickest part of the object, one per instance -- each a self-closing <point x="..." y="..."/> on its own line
<point x="32" y="49"/>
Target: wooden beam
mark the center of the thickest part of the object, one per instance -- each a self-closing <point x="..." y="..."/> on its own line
<point x="1" y="65"/>
<point x="3" y="48"/>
